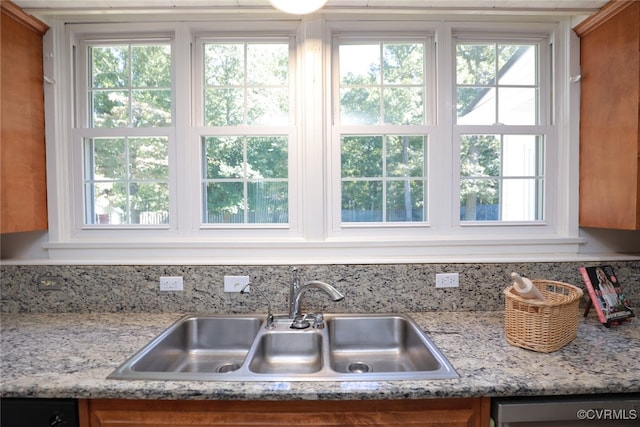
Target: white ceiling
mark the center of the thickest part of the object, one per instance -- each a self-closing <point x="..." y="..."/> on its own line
<point x="548" y="5"/>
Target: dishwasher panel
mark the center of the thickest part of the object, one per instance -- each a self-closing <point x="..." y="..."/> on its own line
<point x="38" y="412"/>
<point x="616" y="410"/>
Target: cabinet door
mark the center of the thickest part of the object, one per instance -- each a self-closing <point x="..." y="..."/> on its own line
<point x="391" y="413"/>
<point x="22" y="147"/>
<point x="609" y="120"/>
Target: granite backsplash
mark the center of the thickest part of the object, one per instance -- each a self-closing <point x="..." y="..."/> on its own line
<point x="367" y="288"/>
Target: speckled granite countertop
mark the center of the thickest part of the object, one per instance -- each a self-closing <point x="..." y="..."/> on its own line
<point x="70" y="355"/>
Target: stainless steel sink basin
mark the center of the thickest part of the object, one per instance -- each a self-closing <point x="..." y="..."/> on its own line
<point x="288" y="353"/>
<point x="363" y="344"/>
<point x="196" y="345"/>
<point x="369" y="347"/>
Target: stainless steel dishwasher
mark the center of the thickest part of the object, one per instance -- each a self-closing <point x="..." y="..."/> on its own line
<point x="615" y="410"/>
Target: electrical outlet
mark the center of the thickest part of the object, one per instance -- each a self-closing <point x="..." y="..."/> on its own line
<point x="50" y="283"/>
<point x="236" y="283"/>
<point x="171" y="283"/>
<point x="447" y="280"/>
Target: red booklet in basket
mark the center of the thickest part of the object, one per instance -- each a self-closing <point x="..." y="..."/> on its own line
<point x="606" y="294"/>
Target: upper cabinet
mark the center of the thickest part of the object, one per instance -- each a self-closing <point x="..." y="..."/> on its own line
<point x="609" y="117"/>
<point x="22" y="142"/>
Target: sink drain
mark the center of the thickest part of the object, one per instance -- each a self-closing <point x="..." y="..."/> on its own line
<point x="359" y="368"/>
<point x="227" y="367"/>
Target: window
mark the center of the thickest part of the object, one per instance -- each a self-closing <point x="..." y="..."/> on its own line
<point x="245" y="180"/>
<point x="126" y="180"/>
<point x="382" y="90"/>
<point x="126" y="173"/>
<point x="383" y="178"/>
<point x="337" y="139"/>
<point x="499" y="107"/>
<point x="246" y="83"/>
<point x="245" y="177"/>
<point x="501" y="177"/>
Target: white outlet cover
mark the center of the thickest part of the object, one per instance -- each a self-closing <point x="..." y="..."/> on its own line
<point x="447" y="280"/>
<point x="236" y="283"/>
<point x="171" y="283"/>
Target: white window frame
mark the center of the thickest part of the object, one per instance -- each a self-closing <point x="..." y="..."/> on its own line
<point x="81" y="130"/>
<point x="443" y="187"/>
<point x="290" y="131"/>
<point x="384" y="31"/>
<point x="313" y="235"/>
<point x="545" y="127"/>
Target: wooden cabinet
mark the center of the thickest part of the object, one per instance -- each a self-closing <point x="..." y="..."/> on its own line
<point x="23" y="196"/>
<point x="465" y="412"/>
<point x="609" y="117"/>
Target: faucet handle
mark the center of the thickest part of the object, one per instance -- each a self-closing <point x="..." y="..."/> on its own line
<point x="318" y="320"/>
<point x="300" y="322"/>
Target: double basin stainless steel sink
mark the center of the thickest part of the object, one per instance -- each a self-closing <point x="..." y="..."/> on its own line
<point x="351" y="347"/>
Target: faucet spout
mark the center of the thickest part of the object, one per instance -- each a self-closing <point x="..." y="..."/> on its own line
<point x="333" y="293"/>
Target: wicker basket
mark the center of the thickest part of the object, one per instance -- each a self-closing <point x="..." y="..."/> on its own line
<point x="543" y="326"/>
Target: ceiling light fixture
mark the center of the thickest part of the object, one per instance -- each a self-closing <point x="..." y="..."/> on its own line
<point x="298" y="7"/>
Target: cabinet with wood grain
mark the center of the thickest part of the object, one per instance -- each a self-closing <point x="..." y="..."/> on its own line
<point x="446" y="412"/>
<point x="610" y="117"/>
<point x="23" y="189"/>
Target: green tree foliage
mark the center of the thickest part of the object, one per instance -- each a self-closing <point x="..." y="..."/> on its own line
<point x="130" y="86"/>
<point x="130" y="175"/>
<point x="246" y="84"/>
<point x="261" y="164"/>
<point x="386" y="87"/>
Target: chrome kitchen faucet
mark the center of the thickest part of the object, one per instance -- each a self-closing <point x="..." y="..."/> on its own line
<point x="295" y="296"/>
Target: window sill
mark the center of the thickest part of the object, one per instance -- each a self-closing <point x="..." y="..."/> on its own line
<point x="537" y="249"/>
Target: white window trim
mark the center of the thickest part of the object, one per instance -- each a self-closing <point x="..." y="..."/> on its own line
<point x="312" y="239"/>
<point x="387" y="230"/>
<point x="231" y="231"/>
<point x="444" y="145"/>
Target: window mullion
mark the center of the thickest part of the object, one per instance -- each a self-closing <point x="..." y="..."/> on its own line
<point x="127" y="179"/>
<point x="184" y="146"/>
<point x="495" y="87"/>
<point x="130" y="84"/>
<point x="444" y="159"/>
<point x="245" y="176"/>
<point x="385" y="178"/>
<point x="315" y="208"/>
